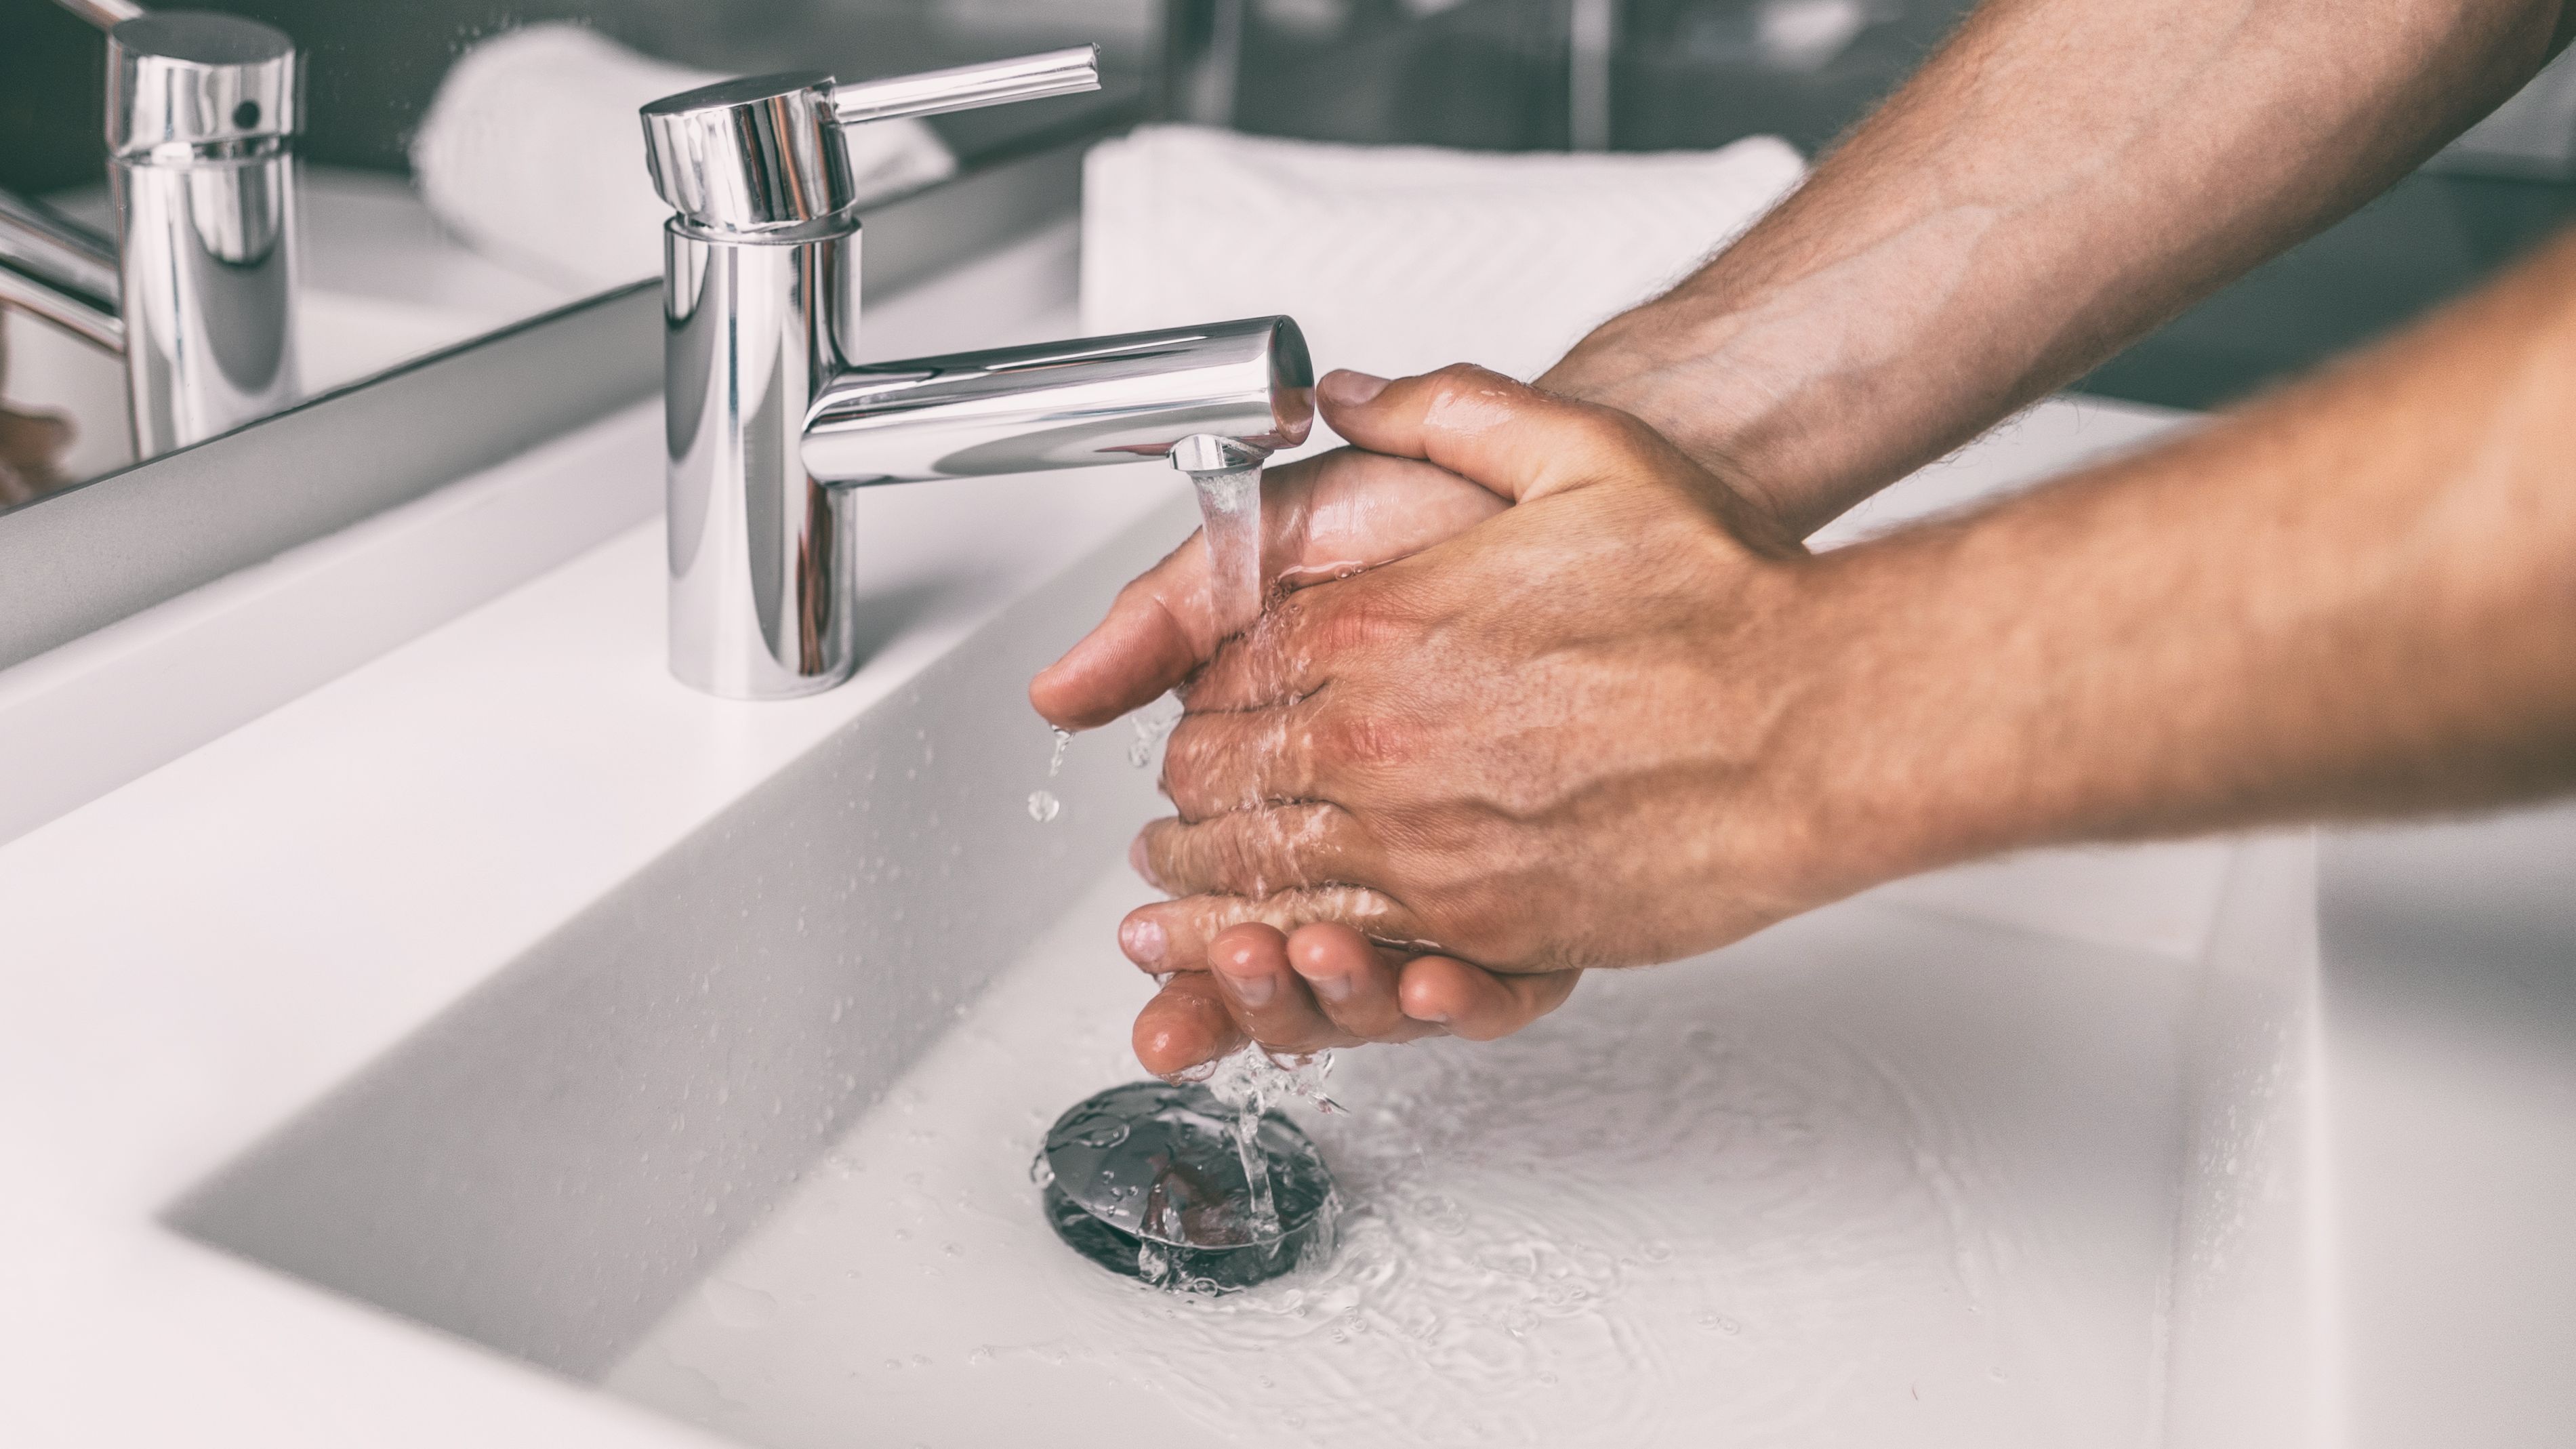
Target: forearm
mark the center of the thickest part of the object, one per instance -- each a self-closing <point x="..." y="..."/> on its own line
<point x="2058" y="179"/>
<point x="2356" y="597"/>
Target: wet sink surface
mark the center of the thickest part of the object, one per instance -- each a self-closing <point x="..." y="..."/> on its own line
<point x="2014" y="1156"/>
<point x="1876" y="1175"/>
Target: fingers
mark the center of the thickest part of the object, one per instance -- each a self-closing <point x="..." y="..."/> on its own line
<point x="1301" y="642"/>
<point x="1324" y="986"/>
<point x="1353" y="981"/>
<point x="1155" y="633"/>
<point x="1176" y="935"/>
<point x="1322" y="517"/>
<point x="1477" y="1004"/>
<point x="1266" y="997"/>
<point x="1508" y="436"/>
<point x="1261" y="852"/>
<point x="1185" y="1025"/>
<point x="33" y="440"/>
<point x="1240" y="760"/>
<point x="1350" y="509"/>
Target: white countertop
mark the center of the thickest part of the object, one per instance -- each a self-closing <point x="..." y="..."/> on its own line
<point x="196" y="953"/>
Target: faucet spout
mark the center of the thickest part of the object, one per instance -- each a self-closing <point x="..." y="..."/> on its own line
<point x="1246" y="387"/>
<point x="57" y="269"/>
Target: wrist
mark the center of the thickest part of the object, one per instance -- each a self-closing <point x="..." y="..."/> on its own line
<point x="1683" y="377"/>
<point x="1870" y="767"/>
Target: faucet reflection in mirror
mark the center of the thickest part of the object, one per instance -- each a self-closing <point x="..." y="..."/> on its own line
<point x="197" y="290"/>
<point x="772" y="429"/>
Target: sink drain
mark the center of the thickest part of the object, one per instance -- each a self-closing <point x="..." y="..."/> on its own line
<point x="1145" y="1180"/>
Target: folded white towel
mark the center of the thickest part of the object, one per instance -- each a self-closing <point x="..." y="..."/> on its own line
<point x="1399" y="259"/>
<point x="532" y="152"/>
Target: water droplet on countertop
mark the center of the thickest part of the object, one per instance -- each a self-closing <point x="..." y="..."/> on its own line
<point x="738" y="1306"/>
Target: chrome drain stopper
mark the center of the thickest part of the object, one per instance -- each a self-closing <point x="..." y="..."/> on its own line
<point x="1145" y="1180"/>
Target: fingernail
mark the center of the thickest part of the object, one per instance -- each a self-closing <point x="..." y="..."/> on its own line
<point x="1333" y="989"/>
<point x="1345" y="388"/>
<point x="1136" y="862"/>
<point x="1436" y="1018"/>
<point x="1142" y="939"/>
<point x="1252" y="990"/>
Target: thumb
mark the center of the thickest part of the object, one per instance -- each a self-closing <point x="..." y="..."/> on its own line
<point x="1508" y="436"/>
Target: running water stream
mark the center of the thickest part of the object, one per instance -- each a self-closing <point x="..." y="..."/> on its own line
<point x="1230" y="519"/>
<point x="1248" y="1081"/>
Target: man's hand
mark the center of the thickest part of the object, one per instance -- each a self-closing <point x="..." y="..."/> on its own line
<point x="30" y="445"/>
<point x="1423" y="798"/>
<point x="1602" y="727"/>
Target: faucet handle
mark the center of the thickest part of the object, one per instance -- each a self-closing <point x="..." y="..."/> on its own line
<point x="105" y="14"/>
<point x="185" y="79"/>
<point x="763" y="154"/>
<point x="968" y="87"/>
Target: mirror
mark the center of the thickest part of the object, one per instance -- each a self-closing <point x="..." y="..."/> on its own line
<point x="459" y="166"/>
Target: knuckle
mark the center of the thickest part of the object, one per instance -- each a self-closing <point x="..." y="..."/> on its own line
<point x="1361" y="618"/>
<point x="1237" y="860"/>
<point x="1146" y="589"/>
<point x="1460" y="379"/>
<point x="1354" y="739"/>
<point x="1187" y="753"/>
<point x="1204" y="765"/>
<point x="1603" y="431"/>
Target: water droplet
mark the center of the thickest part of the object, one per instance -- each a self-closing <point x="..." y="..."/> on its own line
<point x="736" y="1306"/>
<point x="1043" y="806"/>
<point x="1151" y="724"/>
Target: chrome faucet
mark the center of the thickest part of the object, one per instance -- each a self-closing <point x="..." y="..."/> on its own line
<point x="771" y="429"/>
<point x="197" y="289"/>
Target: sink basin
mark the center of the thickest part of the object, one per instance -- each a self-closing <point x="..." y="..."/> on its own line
<point x="694" y="1054"/>
<point x="748" y="1142"/>
<point x="2012" y="1155"/>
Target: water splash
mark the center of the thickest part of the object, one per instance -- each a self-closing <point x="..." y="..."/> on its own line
<point x="1250" y="1082"/>
<point x="1753" y="1200"/>
<point x="1152" y="724"/>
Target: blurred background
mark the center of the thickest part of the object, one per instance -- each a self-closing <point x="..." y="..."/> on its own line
<point x="1500" y="75"/>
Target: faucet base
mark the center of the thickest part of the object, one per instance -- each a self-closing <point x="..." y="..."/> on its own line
<point x="760" y="551"/>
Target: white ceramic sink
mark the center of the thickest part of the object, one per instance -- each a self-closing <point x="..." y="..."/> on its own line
<point x="747" y="1142"/>
<point x="2017" y="1155"/>
<point x="502" y="1006"/>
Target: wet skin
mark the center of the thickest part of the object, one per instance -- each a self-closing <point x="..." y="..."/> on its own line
<point x="1298" y="968"/>
<point x="2059" y="177"/>
<point x="1302" y="986"/>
